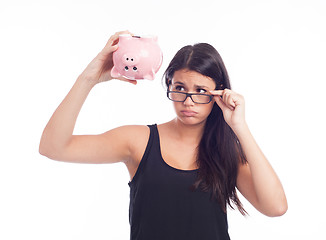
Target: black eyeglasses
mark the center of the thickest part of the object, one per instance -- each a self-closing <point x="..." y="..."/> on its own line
<point x="200" y="98"/>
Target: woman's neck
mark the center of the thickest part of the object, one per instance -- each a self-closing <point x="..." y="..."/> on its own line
<point x="188" y="133"/>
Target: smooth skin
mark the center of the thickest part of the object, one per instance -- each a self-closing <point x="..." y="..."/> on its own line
<point x="257" y="181"/>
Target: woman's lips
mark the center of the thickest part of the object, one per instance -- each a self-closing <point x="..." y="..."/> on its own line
<point x="188" y="113"/>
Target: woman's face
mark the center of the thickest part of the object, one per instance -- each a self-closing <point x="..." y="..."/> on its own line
<point x="188" y="81"/>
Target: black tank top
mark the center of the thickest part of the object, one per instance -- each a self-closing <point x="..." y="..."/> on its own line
<point x="162" y="205"/>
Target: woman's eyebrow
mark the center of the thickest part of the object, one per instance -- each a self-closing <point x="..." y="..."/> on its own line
<point x="201" y="86"/>
<point x="180" y="83"/>
<point x="196" y="86"/>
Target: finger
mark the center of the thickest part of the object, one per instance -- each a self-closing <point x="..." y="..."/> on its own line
<point x="229" y="100"/>
<point x="123" y="32"/>
<point x="113" y="40"/>
<point x="227" y="97"/>
<point x="220" y="103"/>
<point x="128" y="80"/>
<point x="113" y="48"/>
<point x="217" y="92"/>
<point x="134" y="82"/>
<point x="224" y="97"/>
<point x="117" y="34"/>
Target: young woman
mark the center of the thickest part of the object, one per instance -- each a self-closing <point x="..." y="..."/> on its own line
<point x="183" y="173"/>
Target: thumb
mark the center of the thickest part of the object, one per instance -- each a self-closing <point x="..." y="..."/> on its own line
<point x="109" y="50"/>
<point x="114" y="48"/>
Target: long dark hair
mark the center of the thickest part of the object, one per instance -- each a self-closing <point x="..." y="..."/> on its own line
<point x="219" y="152"/>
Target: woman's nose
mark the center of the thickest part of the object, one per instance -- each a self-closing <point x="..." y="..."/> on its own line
<point x="188" y="101"/>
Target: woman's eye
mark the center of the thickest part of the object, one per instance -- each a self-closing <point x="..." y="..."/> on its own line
<point x="200" y="90"/>
<point x="179" y="88"/>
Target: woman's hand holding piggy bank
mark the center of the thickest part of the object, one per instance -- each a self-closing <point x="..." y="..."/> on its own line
<point x="136" y="58"/>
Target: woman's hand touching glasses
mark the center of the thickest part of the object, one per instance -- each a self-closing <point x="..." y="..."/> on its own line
<point x="232" y="105"/>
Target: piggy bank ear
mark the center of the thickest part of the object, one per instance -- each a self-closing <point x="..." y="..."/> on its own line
<point x="115" y="73"/>
<point x="150" y="75"/>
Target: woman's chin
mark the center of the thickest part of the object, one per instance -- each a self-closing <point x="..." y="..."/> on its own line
<point x="192" y="121"/>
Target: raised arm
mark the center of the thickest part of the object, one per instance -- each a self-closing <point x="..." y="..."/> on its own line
<point x="59" y="143"/>
<point x="257" y="181"/>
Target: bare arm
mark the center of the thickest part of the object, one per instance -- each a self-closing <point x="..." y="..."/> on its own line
<point x="257" y="180"/>
<point x="58" y="141"/>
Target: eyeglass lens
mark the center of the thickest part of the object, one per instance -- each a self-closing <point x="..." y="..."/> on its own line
<point x="181" y="97"/>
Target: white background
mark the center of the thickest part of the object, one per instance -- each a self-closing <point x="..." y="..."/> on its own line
<point x="274" y="52"/>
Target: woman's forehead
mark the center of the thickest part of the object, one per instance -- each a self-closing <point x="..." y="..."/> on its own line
<point x="192" y="78"/>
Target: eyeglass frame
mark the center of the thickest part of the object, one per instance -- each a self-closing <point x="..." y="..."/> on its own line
<point x="190" y="95"/>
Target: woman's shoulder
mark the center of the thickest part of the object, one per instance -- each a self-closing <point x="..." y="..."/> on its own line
<point x="132" y="132"/>
<point x="133" y="128"/>
<point x="136" y="137"/>
<point x="129" y="136"/>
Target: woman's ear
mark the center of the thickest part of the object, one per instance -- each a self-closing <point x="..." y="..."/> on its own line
<point x="169" y="83"/>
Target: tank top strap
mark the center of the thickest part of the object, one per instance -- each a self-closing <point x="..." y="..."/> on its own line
<point x="155" y="141"/>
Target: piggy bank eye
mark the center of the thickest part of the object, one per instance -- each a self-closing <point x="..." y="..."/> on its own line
<point x="134" y="68"/>
<point x="126" y="68"/>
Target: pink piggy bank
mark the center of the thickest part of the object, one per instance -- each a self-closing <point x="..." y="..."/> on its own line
<point x="137" y="58"/>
